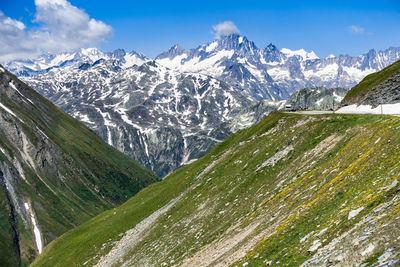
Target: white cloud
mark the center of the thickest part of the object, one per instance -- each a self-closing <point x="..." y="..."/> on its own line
<point x="62" y="27"/>
<point x="356" y="29"/>
<point x="225" y="28"/>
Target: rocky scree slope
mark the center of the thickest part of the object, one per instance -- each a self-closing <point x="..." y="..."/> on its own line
<point x="55" y="173"/>
<point x="247" y="117"/>
<point x="160" y="117"/>
<point x="293" y="189"/>
<point x="378" y="88"/>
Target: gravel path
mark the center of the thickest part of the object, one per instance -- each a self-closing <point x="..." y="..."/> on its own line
<point x="133" y="236"/>
<point x="312" y="112"/>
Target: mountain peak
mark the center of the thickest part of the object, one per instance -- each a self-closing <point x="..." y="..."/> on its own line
<point x="90" y="51"/>
<point x="299" y="53"/>
<point x="176" y="48"/>
<point x="237" y="42"/>
<point x="118" y="53"/>
<point x="174" y="51"/>
<point x="271" y="48"/>
<point x="271" y="53"/>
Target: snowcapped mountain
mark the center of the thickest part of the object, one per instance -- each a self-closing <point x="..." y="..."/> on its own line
<point x="270" y="73"/>
<point x="266" y="73"/>
<point x="46" y="62"/>
<point x="158" y="116"/>
<point x="301" y="53"/>
<point x="232" y="59"/>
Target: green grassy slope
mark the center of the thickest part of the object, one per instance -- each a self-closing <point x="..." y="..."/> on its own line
<point x="59" y="166"/>
<point x="278" y="193"/>
<point x="358" y="92"/>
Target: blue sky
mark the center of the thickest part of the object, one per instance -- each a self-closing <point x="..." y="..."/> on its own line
<point x="150" y="27"/>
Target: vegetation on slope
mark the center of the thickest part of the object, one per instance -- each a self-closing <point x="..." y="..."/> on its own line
<point x="282" y="192"/>
<point x="58" y="166"/>
<point x="358" y="92"/>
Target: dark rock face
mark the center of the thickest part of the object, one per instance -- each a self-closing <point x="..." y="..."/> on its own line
<point x="387" y="92"/>
<point x="382" y="87"/>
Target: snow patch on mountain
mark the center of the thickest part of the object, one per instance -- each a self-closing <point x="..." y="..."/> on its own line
<point x="300" y="53"/>
<point x="36" y="231"/>
<point x="388" y="109"/>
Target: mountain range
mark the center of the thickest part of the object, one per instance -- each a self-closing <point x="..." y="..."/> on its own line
<point x="170" y="110"/>
<point x="266" y="73"/>
<point x="270" y="73"/>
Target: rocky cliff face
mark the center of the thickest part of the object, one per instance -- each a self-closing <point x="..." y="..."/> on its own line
<point x="387" y="92"/>
<point x="55" y="173"/>
<point x="160" y="117"/>
<point x="380" y="88"/>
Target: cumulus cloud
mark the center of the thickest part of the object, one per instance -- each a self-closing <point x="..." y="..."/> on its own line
<point x="356" y="29"/>
<point x="62" y="27"/>
<point x="225" y="28"/>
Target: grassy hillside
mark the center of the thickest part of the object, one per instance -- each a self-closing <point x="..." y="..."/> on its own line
<point x="291" y="189"/>
<point x="358" y="92"/>
<point x="57" y="167"/>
